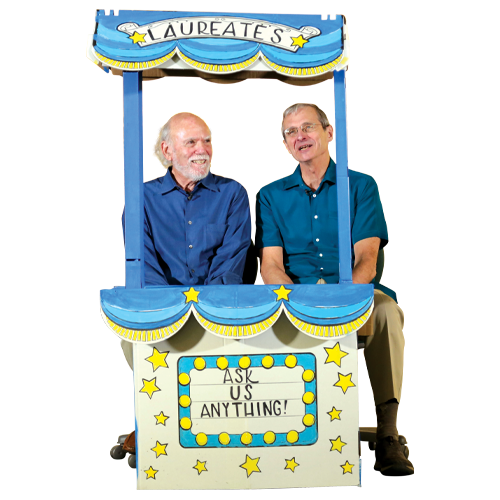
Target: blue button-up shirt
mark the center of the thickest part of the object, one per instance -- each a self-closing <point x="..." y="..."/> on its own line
<point x="305" y="222"/>
<point x="197" y="238"/>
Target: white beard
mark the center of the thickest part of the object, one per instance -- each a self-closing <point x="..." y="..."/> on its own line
<point x="191" y="172"/>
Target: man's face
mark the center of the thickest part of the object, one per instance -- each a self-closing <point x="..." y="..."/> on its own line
<point x="305" y="147"/>
<point x="191" y="148"/>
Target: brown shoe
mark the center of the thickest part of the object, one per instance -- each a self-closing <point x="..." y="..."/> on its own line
<point x="390" y="460"/>
<point x="129" y="443"/>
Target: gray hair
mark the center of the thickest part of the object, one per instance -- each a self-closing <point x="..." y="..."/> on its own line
<point x="163" y="136"/>
<point x="294" y="108"/>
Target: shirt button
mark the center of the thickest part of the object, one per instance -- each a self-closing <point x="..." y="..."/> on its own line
<point x="317" y="239"/>
<point x="315" y="216"/>
<point x="189" y="222"/>
<point x="321" y="269"/>
<point x="192" y="270"/>
<point x="314" y="196"/>
<point x="190" y="246"/>
<point x="321" y="255"/>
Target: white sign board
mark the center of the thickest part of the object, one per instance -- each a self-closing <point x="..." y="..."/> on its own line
<point x="275" y="411"/>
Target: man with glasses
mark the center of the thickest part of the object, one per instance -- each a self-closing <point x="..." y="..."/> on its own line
<point x="297" y="236"/>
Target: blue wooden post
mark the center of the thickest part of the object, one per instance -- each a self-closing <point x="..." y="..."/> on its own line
<point x="345" y="266"/>
<point x="134" y="188"/>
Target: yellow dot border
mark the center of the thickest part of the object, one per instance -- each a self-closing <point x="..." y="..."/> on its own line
<point x="134" y="66"/>
<point x="332" y="330"/>
<point x="218" y="68"/>
<point x="305" y="72"/>
<point x="146" y="336"/>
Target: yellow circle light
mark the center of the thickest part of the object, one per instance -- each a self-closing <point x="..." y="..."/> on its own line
<point x="222" y="363"/>
<point x="201" y="439"/>
<point x="308" y="420"/>
<point x="184" y="401"/>
<point x="246" y="438"/>
<point x="245" y="362"/>
<point x="308" y="376"/>
<point x="184" y="379"/>
<point x="308" y="398"/>
<point x="199" y="363"/>
<point x="186" y="423"/>
<point x="267" y="361"/>
<point x="292" y="437"/>
<point x="224" y="438"/>
<point x="269" y="437"/>
<point x="291" y="361"/>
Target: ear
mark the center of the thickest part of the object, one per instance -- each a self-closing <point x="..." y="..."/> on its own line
<point x="286" y="146"/>
<point x="166" y="150"/>
<point x="329" y="132"/>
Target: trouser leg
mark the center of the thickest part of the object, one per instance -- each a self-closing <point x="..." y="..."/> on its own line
<point x="384" y="349"/>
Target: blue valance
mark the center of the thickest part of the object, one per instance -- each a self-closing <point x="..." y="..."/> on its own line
<point x="296" y="45"/>
<point x="154" y="313"/>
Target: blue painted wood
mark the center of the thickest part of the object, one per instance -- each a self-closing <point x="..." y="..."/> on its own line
<point x="345" y="266"/>
<point x="134" y="188"/>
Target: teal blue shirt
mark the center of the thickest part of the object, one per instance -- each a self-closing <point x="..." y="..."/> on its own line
<point x="305" y="222"/>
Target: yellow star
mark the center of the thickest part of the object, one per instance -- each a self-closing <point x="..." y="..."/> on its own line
<point x="291" y="464"/>
<point x="250" y="465"/>
<point x="347" y="467"/>
<point x="335" y="354"/>
<point x="337" y="444"/>
<point x="159" y="449"/>
<point x="299" y="41"/>
<point x="160" y="419"/>
<point x="344" y="382"/>
<point x="150" y="473"/>
<point x="191" y="295"/>
<point x="200" y="467"/>
<point x="157" y="359"/>
<point x="149" y="387"/>
<point x="282" y="293"/>
<point x="335" y="414"/>
<point x="137" y="37"/>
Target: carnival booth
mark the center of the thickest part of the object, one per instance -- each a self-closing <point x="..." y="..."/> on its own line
<point x="261" y="390"/>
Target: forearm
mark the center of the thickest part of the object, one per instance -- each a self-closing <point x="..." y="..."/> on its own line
<point x="274" y="275"/>
<point x="364" y="271"/>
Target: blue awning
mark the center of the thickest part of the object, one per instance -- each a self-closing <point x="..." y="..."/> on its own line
<point x="295" y="45"/>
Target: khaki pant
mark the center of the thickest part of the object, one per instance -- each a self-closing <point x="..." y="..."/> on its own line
<point x="384" y="346"/>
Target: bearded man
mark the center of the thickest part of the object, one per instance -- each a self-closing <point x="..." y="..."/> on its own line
<point x="197" y="224"/>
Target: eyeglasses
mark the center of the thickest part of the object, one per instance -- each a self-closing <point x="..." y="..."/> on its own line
<point x="307" y="128"/>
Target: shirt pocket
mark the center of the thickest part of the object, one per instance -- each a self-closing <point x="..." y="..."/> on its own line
<point x="214" y="236"/>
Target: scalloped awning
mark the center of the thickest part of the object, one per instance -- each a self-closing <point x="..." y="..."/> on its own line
<point x="220" y="43"/>
<point x="237" y="311"/>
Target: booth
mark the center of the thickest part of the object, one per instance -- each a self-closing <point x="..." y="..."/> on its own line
<point x="236" y="386"/>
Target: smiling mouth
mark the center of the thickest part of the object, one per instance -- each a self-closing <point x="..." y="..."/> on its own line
<point x="199" y="162"/>
<point x="303" y="148"/>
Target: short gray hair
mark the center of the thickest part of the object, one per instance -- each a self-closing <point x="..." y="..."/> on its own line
<point x="294" y="108"/>
<point x="163" y="136"/>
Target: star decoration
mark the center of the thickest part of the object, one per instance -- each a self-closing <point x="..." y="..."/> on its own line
<point x="157" y="359"/>
<point x="347" y="467"/>
<point x="159" y="449"/>
<point x="344" y="382"/>
<point x="250" y="465"/>
<point x="191" y="295"/>
<point x="149" y="387"/>
<point x="334" y="414"/>
<point x="160" y="419"/>
<point x="299" y="41"/>
<point x="335" y="354"/>
<point x="200" y="467"/>
<point x="150" y="473"/>
<point x="137" y="37"/>
<point x="337" y="444"/>
<point x="282" y="293"/>
<point x="291" y="464"/>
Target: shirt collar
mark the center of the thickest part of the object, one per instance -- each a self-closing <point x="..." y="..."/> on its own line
<point x="169" y="184"/>
<point x="295" y="179"/>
